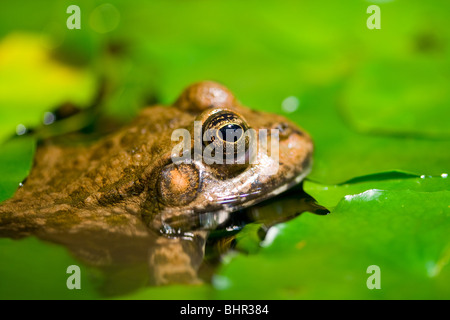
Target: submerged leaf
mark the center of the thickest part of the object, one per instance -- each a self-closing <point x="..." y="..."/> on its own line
<point x="33" y="269"/>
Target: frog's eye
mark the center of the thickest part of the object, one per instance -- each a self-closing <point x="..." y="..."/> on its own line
<point x="224" y="131"/>
<point x="178" y="185"/>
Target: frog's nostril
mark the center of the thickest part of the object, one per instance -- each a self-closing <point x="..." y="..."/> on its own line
<point x="284" y="129"/>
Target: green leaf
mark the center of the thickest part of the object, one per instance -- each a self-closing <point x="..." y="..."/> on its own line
<point x="32" y="82"/>
<point x="341" y="153"/>
<point x="329" y="195"/>
<point x="16" y="157"/>
<point x="32" y="269"/>
<point x="400" y="97"/>
<point x="400" y="225"/>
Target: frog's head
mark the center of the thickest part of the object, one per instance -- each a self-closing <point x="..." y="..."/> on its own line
<point x="194" y="188"/>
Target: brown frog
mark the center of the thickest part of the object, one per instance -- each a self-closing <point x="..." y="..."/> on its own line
<point x="126" y="185"/>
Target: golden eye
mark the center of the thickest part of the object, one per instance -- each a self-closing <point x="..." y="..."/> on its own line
<point x="225" y="129"/>
<point x="226" y="139"/>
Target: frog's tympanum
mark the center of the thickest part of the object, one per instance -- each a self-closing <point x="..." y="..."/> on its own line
<point x="126" y="186"/>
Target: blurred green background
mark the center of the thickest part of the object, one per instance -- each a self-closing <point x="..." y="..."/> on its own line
<point x="376" y="102"/>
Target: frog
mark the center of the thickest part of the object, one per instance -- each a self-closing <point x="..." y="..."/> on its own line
<point x="126" y="185"/>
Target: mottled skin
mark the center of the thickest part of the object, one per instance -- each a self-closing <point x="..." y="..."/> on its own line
<point x="113" y="186"/>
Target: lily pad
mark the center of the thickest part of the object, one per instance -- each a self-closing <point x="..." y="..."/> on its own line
<point x="399" y="225"/>
<point x="329" y="195"/>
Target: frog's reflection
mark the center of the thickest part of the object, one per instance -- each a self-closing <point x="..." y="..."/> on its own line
<point x="131" y="260"/>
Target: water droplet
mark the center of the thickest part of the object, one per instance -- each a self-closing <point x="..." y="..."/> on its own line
<point x="290" y="104"/>
<point x="432" y="269"/>
<point x="444" y="175"/>
<point x="422" y="176"/>
<point x="271" y="235"/>
<point x="366" y="195"/>
<point x="21" y="129"/>
<point x="49" y="118"/>
<point x="105" y="18"/>
<point x="221" y="282"/>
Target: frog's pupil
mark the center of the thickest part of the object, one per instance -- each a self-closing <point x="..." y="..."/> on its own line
<point x="231" y="132"/>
